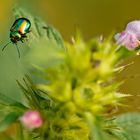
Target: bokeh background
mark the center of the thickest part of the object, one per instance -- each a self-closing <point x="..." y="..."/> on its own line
<point x="93" y="17"/>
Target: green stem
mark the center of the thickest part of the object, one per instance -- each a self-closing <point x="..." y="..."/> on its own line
<point x="20" y="135"/>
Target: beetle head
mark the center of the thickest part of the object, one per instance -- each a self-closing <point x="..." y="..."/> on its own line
<point x="15" y="36"/>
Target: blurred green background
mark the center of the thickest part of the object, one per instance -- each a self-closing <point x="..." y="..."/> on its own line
<point x="93" y="17"/>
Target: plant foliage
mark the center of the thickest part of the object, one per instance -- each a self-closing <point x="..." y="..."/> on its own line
<point x="77" y="88"/>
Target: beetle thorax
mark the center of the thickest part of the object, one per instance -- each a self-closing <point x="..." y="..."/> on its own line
<point x="15" y="36"/>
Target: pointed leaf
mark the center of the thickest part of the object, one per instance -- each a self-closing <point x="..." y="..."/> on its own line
<point x="129" y="125"/>
<point x="8" y="120"/>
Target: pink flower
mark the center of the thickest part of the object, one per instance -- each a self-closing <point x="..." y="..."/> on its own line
<point x="130" y="36"/>
<point x="31" y="119"/>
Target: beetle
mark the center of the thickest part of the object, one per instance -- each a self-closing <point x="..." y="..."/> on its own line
<point x="18" y="32"/>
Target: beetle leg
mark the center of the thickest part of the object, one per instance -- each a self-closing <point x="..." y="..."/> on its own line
<point x="28" y="31"/>
<point x="24" y="36"/>
<point x="22" y="40"/>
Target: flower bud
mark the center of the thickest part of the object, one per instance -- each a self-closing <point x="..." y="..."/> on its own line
<point x="31" y="119"/>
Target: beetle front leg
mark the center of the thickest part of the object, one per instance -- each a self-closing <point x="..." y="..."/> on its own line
<point x="23" y="38"/>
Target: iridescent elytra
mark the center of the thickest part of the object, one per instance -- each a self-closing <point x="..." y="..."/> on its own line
<point x="18" y="31"/>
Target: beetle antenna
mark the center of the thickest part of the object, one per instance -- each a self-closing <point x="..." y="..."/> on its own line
<point x="18" y="50"/>
<point x="6" y="45"/>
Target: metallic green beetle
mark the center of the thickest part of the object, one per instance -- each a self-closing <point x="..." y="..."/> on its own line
<point x="18" y="31"/>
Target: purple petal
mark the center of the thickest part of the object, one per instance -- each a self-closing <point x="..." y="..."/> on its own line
<point x="134" y="27"/>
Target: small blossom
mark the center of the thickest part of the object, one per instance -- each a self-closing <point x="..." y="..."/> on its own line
<point x="130" y="36"/>
<point x="31" y="119"/>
